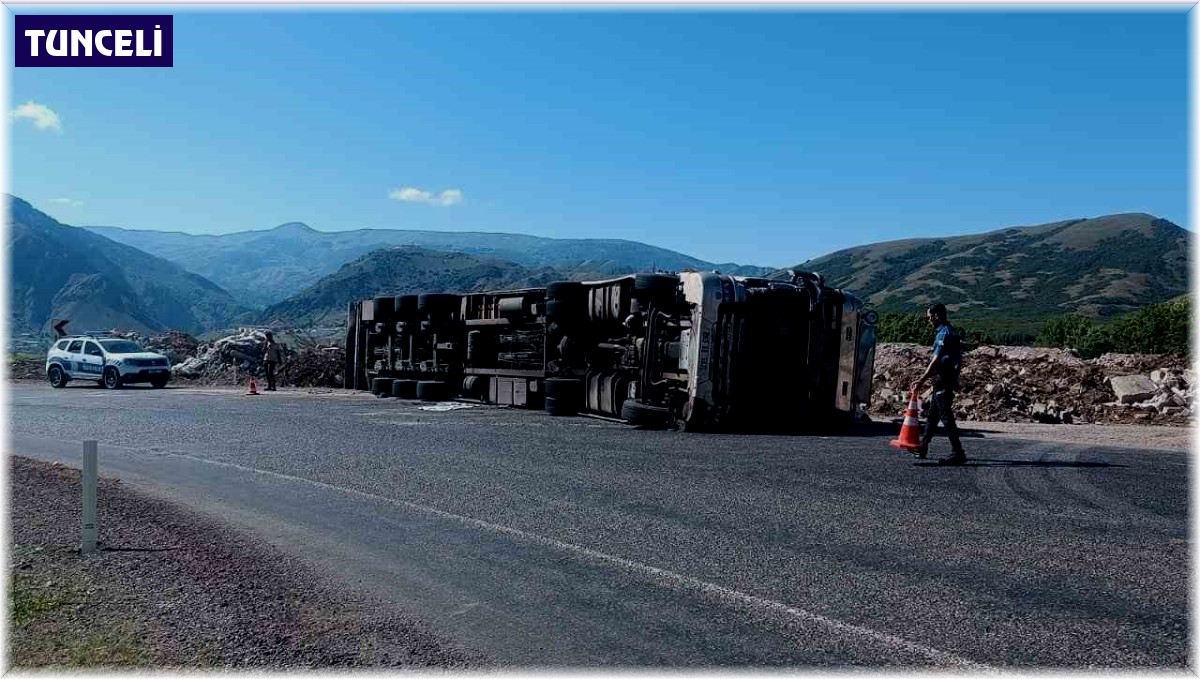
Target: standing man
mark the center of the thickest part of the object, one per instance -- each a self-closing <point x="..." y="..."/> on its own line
<point x="272" y="356"/>
<point x="943" y="370"/>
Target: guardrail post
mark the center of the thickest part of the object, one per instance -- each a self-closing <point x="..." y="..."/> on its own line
<point x="88" y="545"/>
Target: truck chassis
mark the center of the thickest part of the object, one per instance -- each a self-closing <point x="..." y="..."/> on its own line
<point x="699" y="351"/>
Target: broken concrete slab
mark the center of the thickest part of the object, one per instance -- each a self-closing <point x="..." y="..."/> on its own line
<point x="1133" y="388"/>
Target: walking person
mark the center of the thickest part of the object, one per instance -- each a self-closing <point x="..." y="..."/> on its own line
<point x="272" y="357"/>
<point x="943" y="370"/>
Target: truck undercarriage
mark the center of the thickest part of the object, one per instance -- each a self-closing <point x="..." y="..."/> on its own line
<point x="698" y="351"/>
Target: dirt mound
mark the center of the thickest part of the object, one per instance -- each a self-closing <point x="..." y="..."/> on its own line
<point x="26" y="367"/>
<point x="314" y="367"/>
<point x="1027" y="384"/>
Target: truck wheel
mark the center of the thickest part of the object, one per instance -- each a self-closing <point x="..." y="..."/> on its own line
<point x="58" y="378"/>
<point x="432" y="390"/>
<point x="642" y="415"/>
<point x="560" y="407"/>
<point x="475" y="386"/>
<point x="655" y="286"/>
<point x="159" y="382"/>
<point x="404" y="389"/>
<point x="112" y="378"/>
<point x="564" y="388"/>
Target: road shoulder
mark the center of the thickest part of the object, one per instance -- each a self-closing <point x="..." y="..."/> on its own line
<point x="173" y="588"/>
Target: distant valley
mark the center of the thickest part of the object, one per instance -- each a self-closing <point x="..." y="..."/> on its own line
<point x="260" y="268"/>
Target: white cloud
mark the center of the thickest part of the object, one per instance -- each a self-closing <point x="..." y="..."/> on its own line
<point x="69" y="202"/>
<point x="42" y="116"/>
<point x="410" y="194"/>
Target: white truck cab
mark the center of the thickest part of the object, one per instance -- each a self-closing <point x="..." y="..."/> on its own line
<point x="111" y="361"/>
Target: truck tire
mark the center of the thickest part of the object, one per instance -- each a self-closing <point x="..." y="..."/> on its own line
<point x="406" y="306"/>
<point x="57" y="376"/>
<point x="404" y="389"/>
<point x="655" y="286"/>
<point x="385" y="308"/>
<point x="159" y="382"/>
<point x="642" y="415"/>
<point x="437" y="303"/>
<point x="564" y="388"/>
<point x="382" y="386"/>
<point x="112" y="378"/>
<point x="475" y="386"/>
<point x="560" y="407"/>
<point x="432" y="390"/>
<point x="569" y="290"/>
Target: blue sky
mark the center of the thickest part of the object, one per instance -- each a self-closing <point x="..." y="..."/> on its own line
<point x="762" y="137"/>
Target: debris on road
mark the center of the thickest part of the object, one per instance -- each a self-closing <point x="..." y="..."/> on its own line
<point x="1051" y="386"/>
<point x="447" y="406"/>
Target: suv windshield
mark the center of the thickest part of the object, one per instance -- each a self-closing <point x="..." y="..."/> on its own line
<point x="120" y="346"/>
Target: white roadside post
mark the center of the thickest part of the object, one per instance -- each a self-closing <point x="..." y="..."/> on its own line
<point x="89" y="498"/>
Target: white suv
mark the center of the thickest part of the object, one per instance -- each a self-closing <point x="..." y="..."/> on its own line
<point x="112" y="362"/>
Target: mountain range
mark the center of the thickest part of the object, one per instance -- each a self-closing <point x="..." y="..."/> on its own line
<point x="1096" y="266"/>
<point x="61" y="271"/>
<point x="402" y="270"/>
<point x="260" y="268"/>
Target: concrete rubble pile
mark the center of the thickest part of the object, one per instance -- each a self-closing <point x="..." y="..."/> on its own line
<point x="219" y="360"/>
<point x="175" y="345"/>
<point x="236" y="357"/>
<point x="1052" y="386"/>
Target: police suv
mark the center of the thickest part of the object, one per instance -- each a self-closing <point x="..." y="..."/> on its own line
<point x="111" y="361"/>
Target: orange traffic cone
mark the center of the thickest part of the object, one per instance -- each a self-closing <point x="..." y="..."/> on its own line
<point x="253" y="388"/>
<point x="910" y="431"/>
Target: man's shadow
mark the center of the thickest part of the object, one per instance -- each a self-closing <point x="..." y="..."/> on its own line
<point x="1021" y="463"/>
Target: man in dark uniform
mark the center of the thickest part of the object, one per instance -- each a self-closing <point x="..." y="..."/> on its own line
<point x="272" y="357"/>
<point x="943" y="370"/>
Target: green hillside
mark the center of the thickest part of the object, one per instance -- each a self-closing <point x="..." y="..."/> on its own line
<point x="1096" y="267"/>
<point x="399" y="271"/>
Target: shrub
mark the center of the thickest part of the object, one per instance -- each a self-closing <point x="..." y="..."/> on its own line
<point x="897" y="327"/>
<point x="1156" y="329"/>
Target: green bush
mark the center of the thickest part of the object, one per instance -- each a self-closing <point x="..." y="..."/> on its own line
<point x="897" y="327"/>
<point x="915" y="328"/>
<point x="1155" y="329"/>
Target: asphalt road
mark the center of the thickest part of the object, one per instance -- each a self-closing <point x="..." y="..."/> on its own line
<point x="572" y="541"/>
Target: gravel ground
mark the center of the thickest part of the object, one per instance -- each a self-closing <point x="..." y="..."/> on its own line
<point x="172" y="588"/>
<point x="1119" y="435"/>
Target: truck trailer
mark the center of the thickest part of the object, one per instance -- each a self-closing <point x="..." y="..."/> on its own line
<point x="701" y="351"/>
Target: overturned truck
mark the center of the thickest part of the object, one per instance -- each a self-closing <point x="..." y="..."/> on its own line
<point x="696" y="350"/>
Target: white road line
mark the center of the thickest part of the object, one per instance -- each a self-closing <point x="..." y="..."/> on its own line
<point x="716" y="591"/>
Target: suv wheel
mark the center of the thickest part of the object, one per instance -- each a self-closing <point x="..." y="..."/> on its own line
<point x="58" y="378"/>
<point x="112" y="378"/>
<point x="158" y="382"/>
